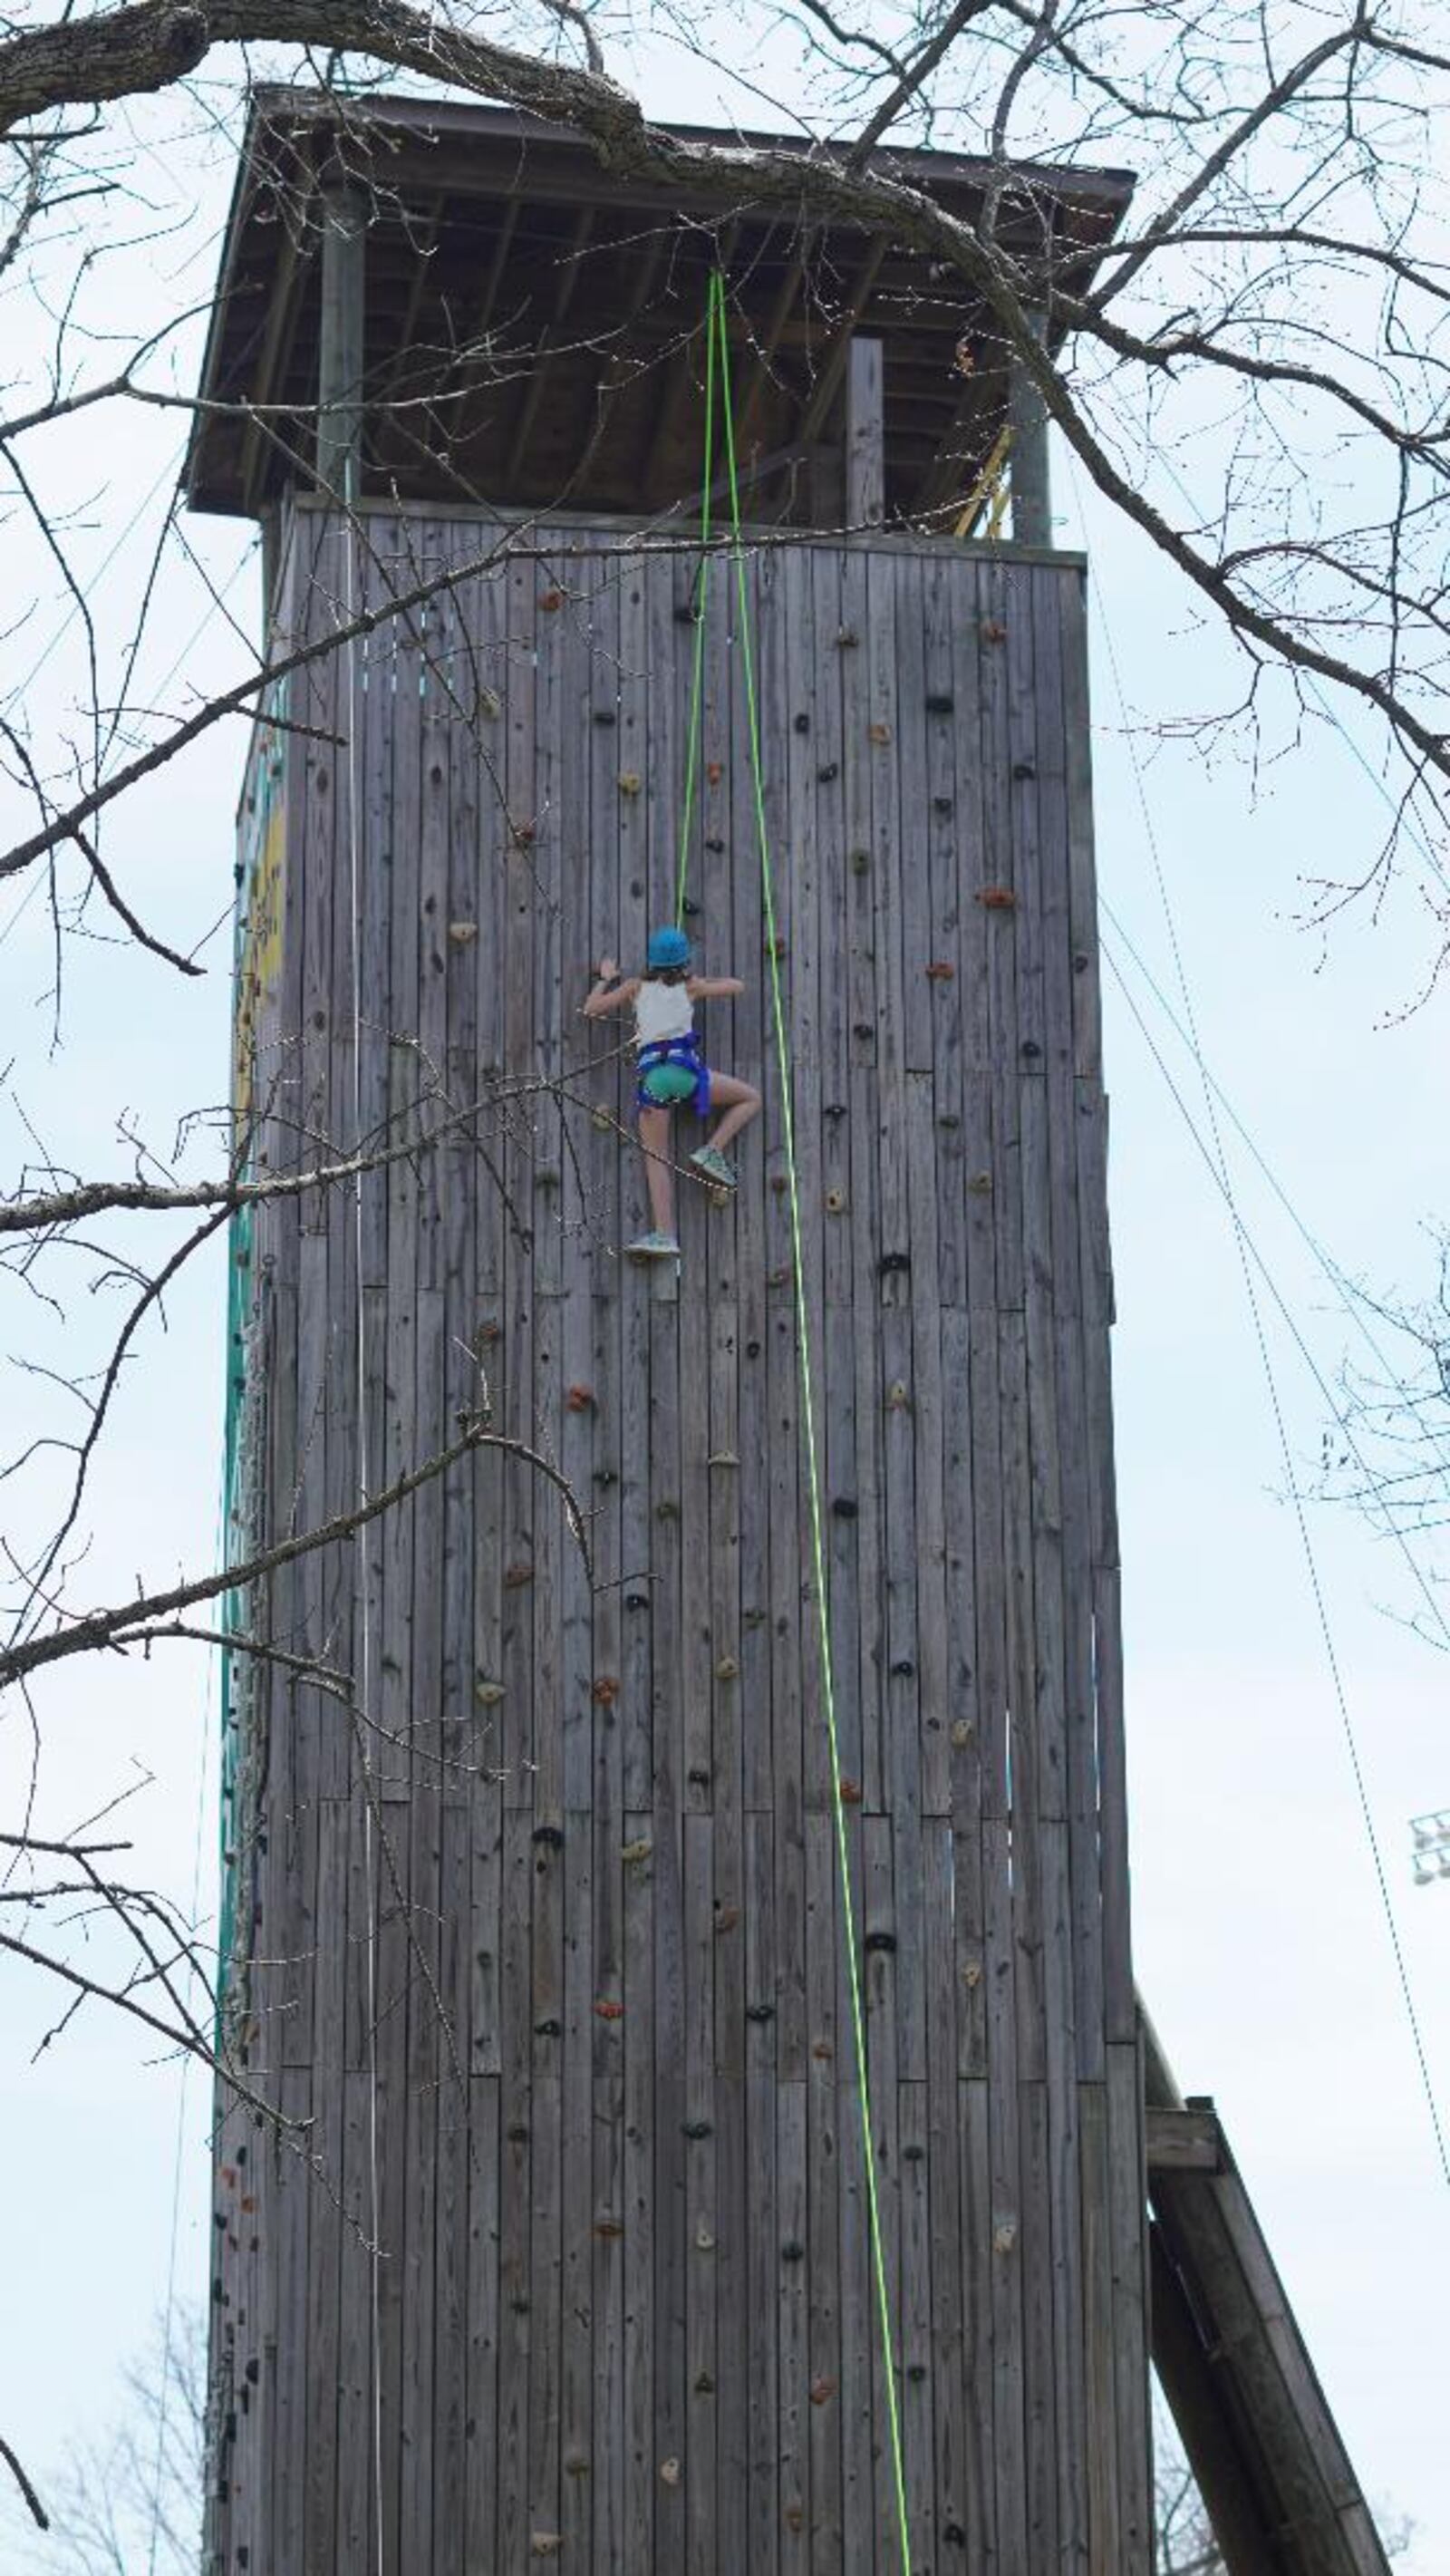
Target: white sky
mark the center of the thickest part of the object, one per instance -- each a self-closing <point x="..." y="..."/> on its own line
<point x="1261" y="1942"/>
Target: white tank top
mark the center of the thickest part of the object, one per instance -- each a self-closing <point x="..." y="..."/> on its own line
<point x="662" y="1011"/>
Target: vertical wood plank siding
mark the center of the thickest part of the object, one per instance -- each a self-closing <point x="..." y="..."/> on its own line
<point x="551" y="1926"/>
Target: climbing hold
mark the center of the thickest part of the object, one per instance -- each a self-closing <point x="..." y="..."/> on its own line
<point x="636" y="1600"/>
<point x="821" y="2389"/>
<point x="726" y="1917"/>
<point x="775" y="947"/>
<point x="489" y="703"/>
<point x="941" y="804"/>
<point x="703" y="2238"/>
<point x="1030" y="1050"/>
<point x="903" y="1668"/>
<point x="518" y="2135"/>
<point x="608" y="2010"/>
<point x="898" y="1398"/>
<point x="714" y="771"/>
<point x="949" y="1119"/>
<point x="549" y="600"/>
<point x="953" y="2532"/>
<point x="971" y="1974"/>
<point x="548" y="2028"/>
<point x="524" y="835"/>
<point x="699" y="2128"/>
<point x="697" y="1778"/>
<point x="940" y="703"/>
<point x="822" y="2049"/>
<point x="606" y="1476"/>
<point x="1023" y="769"/>
<point x="993" y="631"/>
<point x="980" y="1184"/>
<point x="828" y="770"/>
<point x="686" y="613"/>
<point x="792" y="2251"/>
<point x="760" y="2012"/>
<point x="634" y="1852"/>
<point x="802" y="723"/>
<point x="860" y="861"/>
<point x="713" y="841"/>
<point x="835" y="1202"/>
<point x="780" y="1183"/>
<point x="891" y="1261"/>
<point x="726" y="1669"/>
<point x="488" y="1332"/>
<point x="940" y="971"/>
<point x="846" y="636"/>
<point x="488" y="1694"/>
<point x="575" y="2465"/>
<point x="996" y="898"/>
<point x="580" y="1399"/>
<point x="516" y="1575"/>
<point x="723" y="1458"/>
<point x="549" y="1837"/>
<point x="880" y="1943"/>
<point x="795" y="2516"/>
<point x="669" y="2473"/>
<point x="629" y="782"/>
<point x="605" y="716"/>
<point x="962" y="1733"/>
<point x="843" y="1508"/>
<point x="545" y="2544"/>
<point x="606" y="1690"/>
<point x="462" y="933"/>
<point x="782" y="1277"/>
<point x="878" y="733"/>
<point x="704" y="2384"/>
<point x="850" y="1791"/>
<point x="608" y="2228"/>
<point x="1004" y="2237"/>
<point x="913" y="2155"/>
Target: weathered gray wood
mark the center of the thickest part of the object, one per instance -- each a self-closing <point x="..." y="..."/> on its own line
<point x="865" y="433"/>
<point x="626" y="2300"/>
<point x="344" y="222"/>
<point x="1027" y="413"/>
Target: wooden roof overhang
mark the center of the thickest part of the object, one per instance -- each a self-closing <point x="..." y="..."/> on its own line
<point x="534" y="321"/>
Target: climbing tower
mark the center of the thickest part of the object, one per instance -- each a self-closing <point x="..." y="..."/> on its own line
<point x="560" y="2243"/>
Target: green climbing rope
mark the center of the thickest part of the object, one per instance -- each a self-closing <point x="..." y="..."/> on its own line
<point x="720" y="340"/>
<point x="702" y="593"/>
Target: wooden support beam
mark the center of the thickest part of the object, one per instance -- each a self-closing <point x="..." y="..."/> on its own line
<point x="340" y="341"/>
<point x="1185" y="2141"/>
<point x="612" y="372"/>
<point x="833" y="365"/>
<point x="1031" y="493"/>
<point x="765" y="349"/>
<point x="271" y="372"/>
<point x="865" y="435"/>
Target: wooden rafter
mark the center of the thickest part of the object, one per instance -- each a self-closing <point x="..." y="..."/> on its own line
<point x="838" y="348"/>
<point x="539" y="373"/>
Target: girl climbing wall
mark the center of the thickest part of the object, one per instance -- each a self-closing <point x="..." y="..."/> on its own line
<point x="671" y="1073"/>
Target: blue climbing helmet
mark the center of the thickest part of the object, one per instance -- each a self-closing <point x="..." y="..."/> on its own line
<point x="667" y="948"/>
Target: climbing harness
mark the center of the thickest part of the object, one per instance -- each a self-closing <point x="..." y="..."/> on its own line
<point x="672" y="1070"/>
<point x="717" y="386"/>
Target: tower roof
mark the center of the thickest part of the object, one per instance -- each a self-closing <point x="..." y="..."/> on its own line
<point x="533" y="330"/>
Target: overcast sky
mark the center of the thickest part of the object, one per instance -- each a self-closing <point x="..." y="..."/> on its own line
<point x="1262" y="1944"/>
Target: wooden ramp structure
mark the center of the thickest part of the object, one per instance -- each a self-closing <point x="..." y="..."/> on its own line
<point x="1256" y="2429"/>
<point x="534" y="1931"/>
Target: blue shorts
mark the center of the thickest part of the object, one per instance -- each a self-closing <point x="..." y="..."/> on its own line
<point x="680" y="1057"/>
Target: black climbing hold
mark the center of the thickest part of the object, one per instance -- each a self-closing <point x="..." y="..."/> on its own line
<point x="1023" y="769"/>
<point x="1031" y="1049"/>
<point x="916" y="2370"/>
<point x="802" y="723"/>
<point x="953" y="2532"/>
<point x="713" y="841"/>
<point x="862" y="1029"/>
<point x="605" y="716"/>
<point x="518" y="2135"/>
<point x="252" y="2371"/>
<point x="835" y="1109"/>
<point x="903" y="1668"/>
<point x="691" y="910"/>
<point x="685" y="614"/>
<point x="828" y="770"/>
<point x="551" y="1836"/>
<point x="605" y="1476"/>
<point x="843" y="1508"/>
<point x="760" y="2012"/>
<point x="792" y="2251"/>
<point x="699" y="2128"/>
<point x="893" y="1261"/>
<point x="885" y="1942"/>
<point x="913" y="2155"/>
<point x="752" y="1350"/>
<point x="548" y="2028"/>
<point x="636" y="1600"/>
<point x="941" y="804"/>
<point x="698" y="1779"/>
<point x="940" y="703"/>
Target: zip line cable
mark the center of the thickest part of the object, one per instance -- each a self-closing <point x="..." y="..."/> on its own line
<point x="1248" y="1255"/>
<point x="1321" y="1611"/>
<point x="717" y="333"/>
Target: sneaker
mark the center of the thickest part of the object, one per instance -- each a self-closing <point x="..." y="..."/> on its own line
<point x="714" y="1167"/>
<point x="653" y="1247"/>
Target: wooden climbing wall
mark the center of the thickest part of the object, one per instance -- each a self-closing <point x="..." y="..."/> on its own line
<point x="544" y="1938"/>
